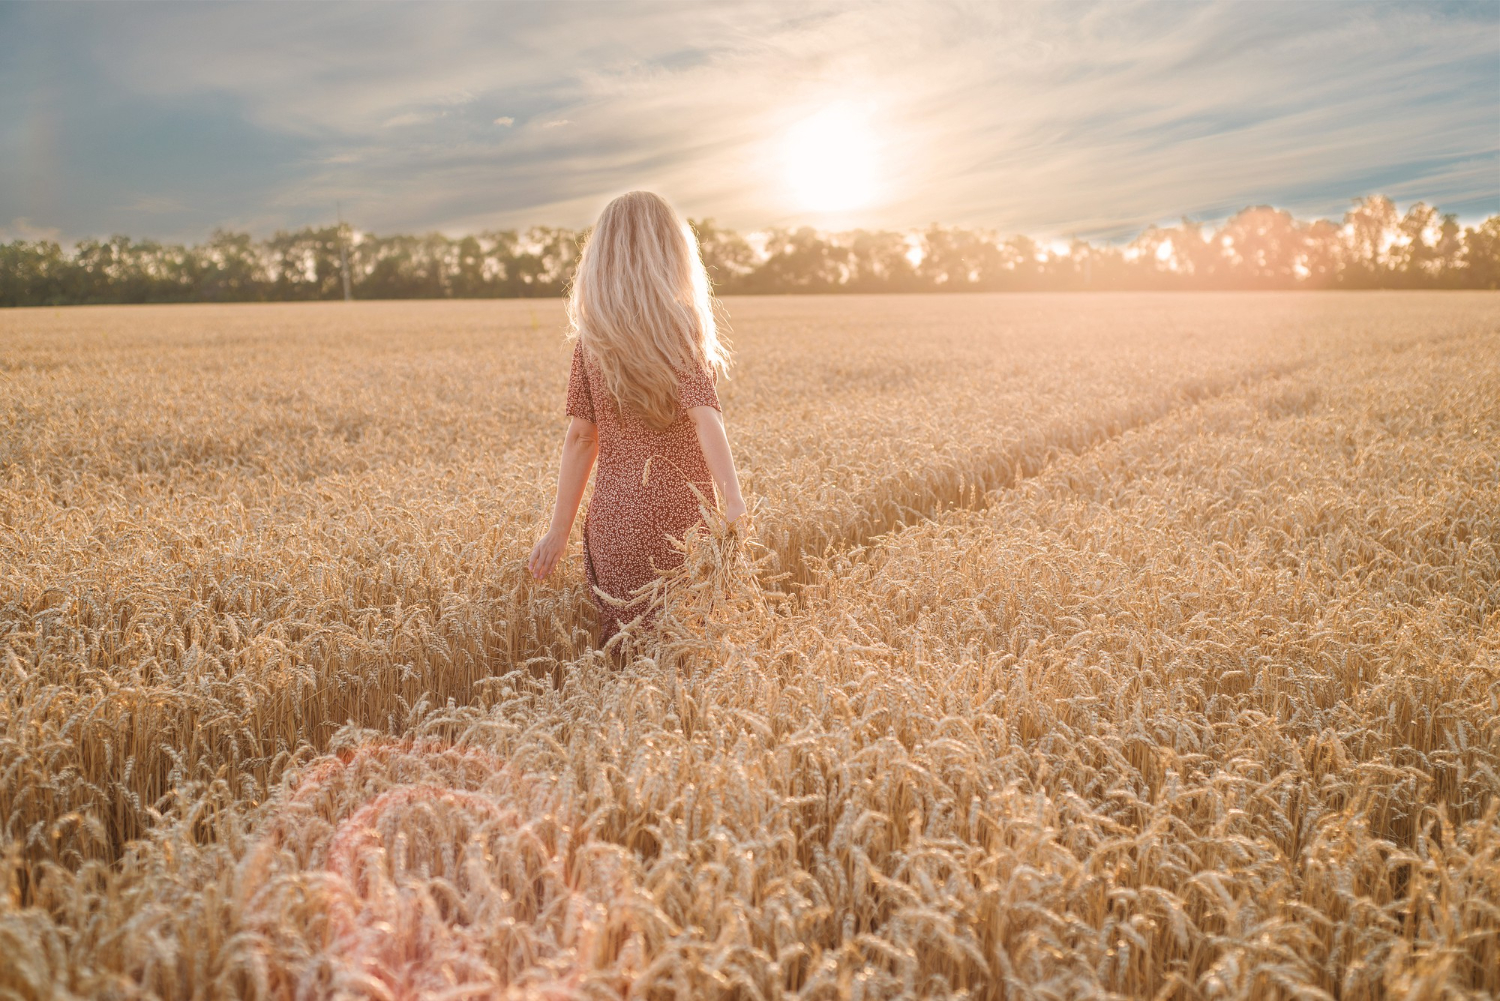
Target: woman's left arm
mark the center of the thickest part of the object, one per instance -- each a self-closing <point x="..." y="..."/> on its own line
<point x="715" y="444"/>
<point x="580" y="448"/>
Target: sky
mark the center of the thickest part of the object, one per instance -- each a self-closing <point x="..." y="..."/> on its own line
<point x="1055" y="120"/>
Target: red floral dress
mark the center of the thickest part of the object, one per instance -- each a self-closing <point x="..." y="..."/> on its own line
<point x="635" y="509"/>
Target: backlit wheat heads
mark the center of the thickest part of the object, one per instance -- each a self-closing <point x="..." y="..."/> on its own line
<point x="212" y="572"/>
<point x="1134" y="646"/>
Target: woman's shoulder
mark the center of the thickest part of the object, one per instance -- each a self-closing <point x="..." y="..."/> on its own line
<point x="698" y="385"/>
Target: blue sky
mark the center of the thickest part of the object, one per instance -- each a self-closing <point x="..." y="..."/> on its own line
<point x="168" y="120"/>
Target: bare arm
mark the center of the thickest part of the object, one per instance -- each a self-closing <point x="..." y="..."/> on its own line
<point x="715" y="445"/>
<point x="580" y="448"/>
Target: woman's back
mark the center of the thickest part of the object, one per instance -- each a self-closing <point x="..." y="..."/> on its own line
<point x="626" y="441"/>
<point x="643" y="404"/>
<point x="643" y="487"/>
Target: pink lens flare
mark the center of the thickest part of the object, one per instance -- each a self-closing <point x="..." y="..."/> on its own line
<point x="337" y="782"/>
<point x="435" y="869"/>
<point x="361" y="835"/>
<point x="386" y="926"/>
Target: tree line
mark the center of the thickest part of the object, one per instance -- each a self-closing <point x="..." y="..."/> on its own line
<point x="1374" y="246"/>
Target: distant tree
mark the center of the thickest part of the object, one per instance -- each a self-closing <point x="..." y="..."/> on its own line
<point x="1427" y="249"/>
<point x="1369" y="229"/>
<point x="1258" y="248"/>
<point x="541" y="261"/>
<point x="1014" y="264"/>
<point x="1087" y="267"/>
<point x="879" y="262"/>
<point x="305" y="264"/>
<point x="1322" y="254"/>
<point x="1412" y="255"/>
<point x="101" y="273"/>
<point x="1262" y="247"/>
<point x="497" y="265"/>
<point x="1481" y="257"/>
<point x="35" y="274"/>
<point x="467" y="280"/>
<point x="404" y="267"/>
<point x="727" y="256"/>
<point x="800" y="260"/>
<point x="230" y="269"/>
<point x="1448" y="253"/>
<point x="1198" y="255"/>
<point x="955" y="259"/>
<point x="1151" y="258"/>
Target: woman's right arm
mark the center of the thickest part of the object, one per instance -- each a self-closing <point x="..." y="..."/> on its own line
<point x="715" y="444"/>
<point x="580" y="448"/>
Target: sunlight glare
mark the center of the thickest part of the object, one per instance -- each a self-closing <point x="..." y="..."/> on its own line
<point x="830" y="160"/>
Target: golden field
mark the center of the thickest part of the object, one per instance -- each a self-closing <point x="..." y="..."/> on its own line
<point x="1085" y="645"/>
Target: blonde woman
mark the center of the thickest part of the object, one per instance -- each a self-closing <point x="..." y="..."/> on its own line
<point x="642" y="399"/>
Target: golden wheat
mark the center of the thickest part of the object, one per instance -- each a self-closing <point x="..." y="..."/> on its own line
<point x="1084" y="645"/>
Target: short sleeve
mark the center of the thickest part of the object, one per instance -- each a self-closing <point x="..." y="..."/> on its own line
<point x="697" y="388"/>
<point x="580" y="399"/>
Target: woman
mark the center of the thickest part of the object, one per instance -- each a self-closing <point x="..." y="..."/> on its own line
<point x="642" y="398"/>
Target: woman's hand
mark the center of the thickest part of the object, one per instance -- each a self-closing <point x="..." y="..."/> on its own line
<point x="546" y="553"/>
<point x="734" y="510"/>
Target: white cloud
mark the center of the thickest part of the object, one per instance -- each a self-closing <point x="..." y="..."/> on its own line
<point x="1053" y="120"/>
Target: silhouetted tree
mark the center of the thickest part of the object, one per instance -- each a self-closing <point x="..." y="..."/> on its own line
<point x="1481" y="256"/>
<point x="35" y="274"/>
<point x="1322" y="255"/>
<point x="880" y="262"/>
<point x="799" y="260"/>
<point x="230" y="269"/>
<point x="726" y="255"/>
<point x="1369" y="229"/>
<point x="1261" y="248"/>
<point x="955" y="260"/>
<point x="1257" y="248"/>
<point x="1150" y="256"/>
<point x="305" y="264"/>
<point x="1199" y="255"/>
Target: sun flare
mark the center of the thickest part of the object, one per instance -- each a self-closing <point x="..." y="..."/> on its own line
<point x="830" y="160"/>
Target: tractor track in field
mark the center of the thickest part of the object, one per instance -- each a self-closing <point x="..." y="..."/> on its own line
<point x="1009" y="467"/>
<point x="1005" y="468"/>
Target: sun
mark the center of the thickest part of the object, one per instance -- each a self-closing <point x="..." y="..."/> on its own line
<point x="830" y="160"/>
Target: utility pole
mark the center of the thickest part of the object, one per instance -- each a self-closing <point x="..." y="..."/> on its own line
<point x="344" y="253"/>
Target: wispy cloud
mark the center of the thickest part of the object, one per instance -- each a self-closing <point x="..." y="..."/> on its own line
<point x="1054" y="120"/>
<point x="411" y="118"/>
<point x="22" y="229"/>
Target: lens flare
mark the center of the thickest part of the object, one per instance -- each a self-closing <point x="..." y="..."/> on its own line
<point x="433" y="869"/>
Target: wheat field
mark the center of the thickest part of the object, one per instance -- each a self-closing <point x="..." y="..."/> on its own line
<point x="1080" y="646"/>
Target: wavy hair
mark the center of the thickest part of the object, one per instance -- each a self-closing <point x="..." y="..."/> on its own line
<point x="642" y="307"/>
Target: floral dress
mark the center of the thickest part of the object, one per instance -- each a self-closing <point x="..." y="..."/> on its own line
<point x="635" y="508"/>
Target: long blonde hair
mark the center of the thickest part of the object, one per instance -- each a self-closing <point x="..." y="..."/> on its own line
<point x="642" y="307"/>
